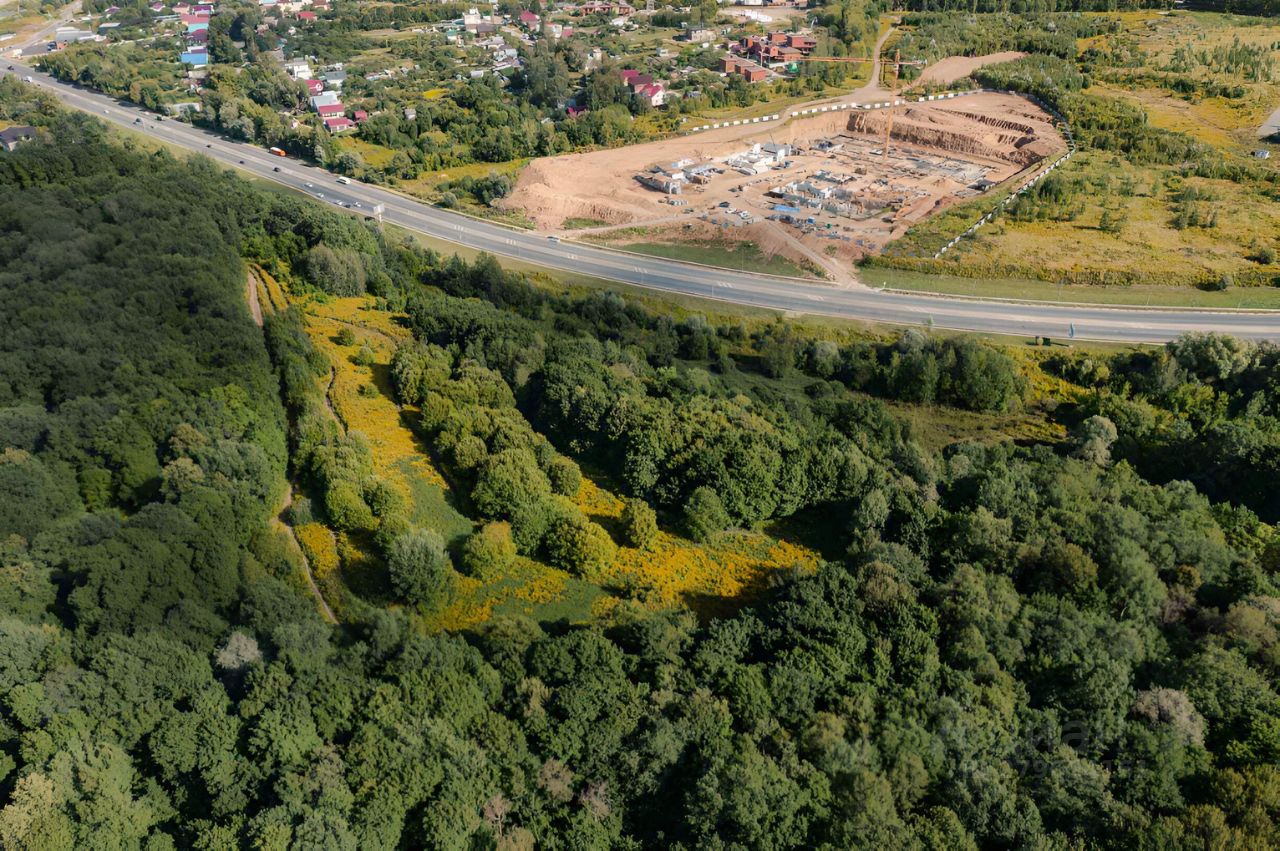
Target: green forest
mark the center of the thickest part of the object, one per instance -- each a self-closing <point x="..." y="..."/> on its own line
<point x="1035" y="643"/>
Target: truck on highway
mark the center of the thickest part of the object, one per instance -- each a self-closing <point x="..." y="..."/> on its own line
<point x="279" y="152"/>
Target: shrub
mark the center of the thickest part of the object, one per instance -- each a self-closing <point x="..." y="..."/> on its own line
<point x="509" y="482"/>
<point x="419" y="567"/>
<point x="346" y="507"/>
<point x="579" y="546"/>
<point x="489" y="551"/>
<point x="565" y="476"/>
<point x="704" y="515"/>
<point x="639" y="524"/>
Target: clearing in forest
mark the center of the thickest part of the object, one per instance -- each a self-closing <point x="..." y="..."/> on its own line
<point x="711" y="578"/>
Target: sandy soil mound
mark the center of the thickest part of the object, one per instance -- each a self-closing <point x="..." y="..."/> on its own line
<point x="947" y="71"/>
<point x="964" y="126"/>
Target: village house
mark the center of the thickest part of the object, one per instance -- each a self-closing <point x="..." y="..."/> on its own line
<point x="623" y="10"/>
<point x="749" y="71"/>
<point x="643" y="86"/>
<point x="299" y="69"/>
<point x="64" y="36"/>
<point x="324" y="99"/>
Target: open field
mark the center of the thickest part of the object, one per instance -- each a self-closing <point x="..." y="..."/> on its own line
<point x="1148" y="244"/>
<point x="1204" y="48"/>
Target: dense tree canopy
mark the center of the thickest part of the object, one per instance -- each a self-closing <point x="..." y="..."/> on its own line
<point x="1064" y="644"/>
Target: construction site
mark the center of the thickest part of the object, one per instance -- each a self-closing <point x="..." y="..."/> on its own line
<point x="824" y="189"/>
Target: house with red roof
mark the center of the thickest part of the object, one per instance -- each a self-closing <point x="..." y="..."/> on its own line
<point x="633" y="79"/>
<point x="340" y="124"/>
<point x="360" y="116"/>
<point x="306" y="16"/>
<point x="654" y="93"/>
<point x="643" y="86"/>
<point x="314" y="87"/>
<point x="330" y="110"/>
<point x="528" y="20"/>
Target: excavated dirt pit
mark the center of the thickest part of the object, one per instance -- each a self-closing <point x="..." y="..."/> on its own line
<point x="836" y="193"/>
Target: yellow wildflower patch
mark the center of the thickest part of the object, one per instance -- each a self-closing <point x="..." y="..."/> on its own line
<point x="321" y="551"/>
<point x="378" y="417"/>
<point x="677" y="571"/>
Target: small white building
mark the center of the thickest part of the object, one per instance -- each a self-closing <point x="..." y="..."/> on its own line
<point x="299" y="69"/>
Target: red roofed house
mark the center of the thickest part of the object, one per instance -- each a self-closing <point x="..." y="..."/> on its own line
<point x="306" y="16"/>
<point x="194" y="19"/>
<point x="181" y="8"/>
<point x="330" y="110"/>
<point x="360" y="116"/>
<point x="202" y="9"/>
<point x="197" y="36"/>
<point x="642" y="85"/>
<point x="314" y="87"/>
<point x="339" y="124"/>
<point x="654" y="93"/>
<point x="633" y="79"/>
<point x="528" y="20"/>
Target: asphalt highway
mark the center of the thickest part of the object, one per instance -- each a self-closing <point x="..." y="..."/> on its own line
<point x="1025" y="319"/>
